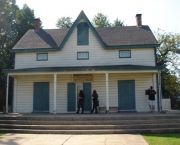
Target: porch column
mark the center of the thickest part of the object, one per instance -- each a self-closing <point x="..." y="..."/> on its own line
<point x="14" y="96"/>
<point x="7" y="88"/>
<point x="155" y="86"/>
<point x="159" y="87"/>
<point x="107" y="94"/>
<point x="55" y="84"/>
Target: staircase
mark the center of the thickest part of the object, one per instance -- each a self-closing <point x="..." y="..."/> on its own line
<point x="120" y="123"/>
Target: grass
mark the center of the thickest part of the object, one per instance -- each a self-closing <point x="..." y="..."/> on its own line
<point x="162" y="139"/>
<point x="2" y="134"/>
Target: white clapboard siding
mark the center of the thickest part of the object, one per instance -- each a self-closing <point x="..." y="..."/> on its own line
<point x="97" y="55"/>
<point x="99" y="84"/>
<point x="142" y="82"/>
<point x="62" y="86"/>
<point x="24" y="90"/>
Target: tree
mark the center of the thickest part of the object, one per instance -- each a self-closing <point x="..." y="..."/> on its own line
<point x="13" y="25"/>
<point x="101" y="20"/>
<point x="168" y="56"/>
<point x="64" y="22"/>
<point x="24" y="21"/>
<point x="117" y="23"/>
<point x="168" y="53"/>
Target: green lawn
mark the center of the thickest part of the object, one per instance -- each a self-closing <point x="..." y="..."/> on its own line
<point x="1" y="134"/>
<point x="162" y="139"/>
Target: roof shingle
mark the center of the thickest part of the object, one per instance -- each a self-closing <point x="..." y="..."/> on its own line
<point x="111" y="36"/>
<point x="126" y="35"/>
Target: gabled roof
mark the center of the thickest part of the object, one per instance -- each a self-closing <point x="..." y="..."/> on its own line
<point x="108" y="37"/>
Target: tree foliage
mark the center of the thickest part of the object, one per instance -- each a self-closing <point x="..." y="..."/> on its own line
<point x="117" y="23"/>
<point x="64" y="22"/>
<point x="168" y="56"/>
<point x="24" y="21"/>
<point x="14" y="22"/>
<point x="101" y="20"/>
<point x="169" y="52"/>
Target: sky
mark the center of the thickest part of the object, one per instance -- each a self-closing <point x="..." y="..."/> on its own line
<point x="163" y="14"/>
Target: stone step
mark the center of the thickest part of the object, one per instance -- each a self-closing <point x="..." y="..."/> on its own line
<point x="89" y="122"/>
<point x="103" y="131"/>
<point x="89" y="127"/>
<point x="90" y="117"/>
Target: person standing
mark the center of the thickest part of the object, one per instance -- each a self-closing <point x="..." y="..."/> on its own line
<point x="151" y="101"/>
<point x="81" y="102"/>
<point x="95" y="101"/>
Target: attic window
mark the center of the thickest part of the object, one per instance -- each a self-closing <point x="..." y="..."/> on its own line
<point x="82" y="34"/>
<point x="42" y="56"/>
<point x="124" y="53"/>
<point x="82" y="55"/>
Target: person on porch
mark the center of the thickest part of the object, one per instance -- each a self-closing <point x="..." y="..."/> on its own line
<point x="81" y="102"/>
<point x="151" y="101"/>
<point x="95" y="101"/>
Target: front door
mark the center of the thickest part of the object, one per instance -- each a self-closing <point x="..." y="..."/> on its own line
<point x="126" y="95"/>
<point x="41" y="97"/>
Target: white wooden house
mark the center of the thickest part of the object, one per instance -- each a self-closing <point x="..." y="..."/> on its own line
<point x="52" y="65"/>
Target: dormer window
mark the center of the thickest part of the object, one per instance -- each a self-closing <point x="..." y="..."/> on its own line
<point x="82" y="34"/>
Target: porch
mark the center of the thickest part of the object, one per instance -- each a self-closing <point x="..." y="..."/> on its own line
<point x="110" y="82"/>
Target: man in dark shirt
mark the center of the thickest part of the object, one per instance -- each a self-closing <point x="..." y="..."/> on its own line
<point x="151" y="102"/>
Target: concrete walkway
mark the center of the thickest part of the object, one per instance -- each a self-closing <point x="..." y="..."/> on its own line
<point x="56" y="139"/>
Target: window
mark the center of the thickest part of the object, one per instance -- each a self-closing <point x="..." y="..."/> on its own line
<point x="42" y="56"/>
<point x="124" y="54"/>
<point x="82" y="34"/>
<point x="82" y="55"/>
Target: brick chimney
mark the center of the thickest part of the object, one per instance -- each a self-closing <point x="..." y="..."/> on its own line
<point x="37" y="24"/>
<point x="138" y="20"/>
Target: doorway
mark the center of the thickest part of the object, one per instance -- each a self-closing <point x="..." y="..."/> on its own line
<point x="41" y="97"/>
<point x="126" y="95"/>
<point x="73" y="93"/>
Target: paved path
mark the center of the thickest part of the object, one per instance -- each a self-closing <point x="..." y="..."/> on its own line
<point x="53" y="139"/>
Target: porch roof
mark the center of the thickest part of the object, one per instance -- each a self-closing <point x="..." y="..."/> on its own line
<point x="85" y="68"/>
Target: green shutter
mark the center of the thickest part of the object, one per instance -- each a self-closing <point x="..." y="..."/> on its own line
<point x="88" y="98"/>
<point x="71" y="97"/>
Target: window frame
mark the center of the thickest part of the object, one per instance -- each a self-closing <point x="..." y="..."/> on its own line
<point x="82" y="29"/>
<point x="125" y="51"/>
<point x="37" y="59"/>
<point x="81" y="53"/>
